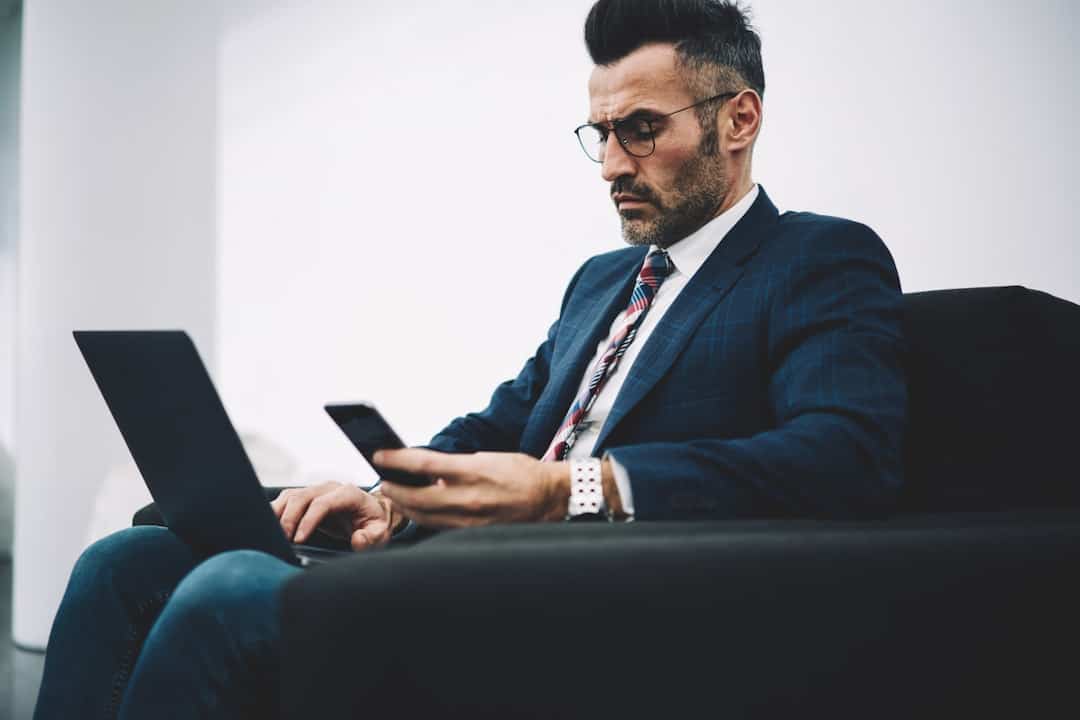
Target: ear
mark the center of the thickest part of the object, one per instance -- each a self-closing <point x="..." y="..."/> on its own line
<point x="740" y="124"/>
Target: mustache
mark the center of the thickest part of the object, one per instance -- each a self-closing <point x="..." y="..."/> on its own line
<point x="626" y="185"/>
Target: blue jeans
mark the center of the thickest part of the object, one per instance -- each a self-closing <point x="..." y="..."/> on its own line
<point x="146" y="630"/>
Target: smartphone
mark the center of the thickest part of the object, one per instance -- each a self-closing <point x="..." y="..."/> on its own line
<point x="369" y="431"/>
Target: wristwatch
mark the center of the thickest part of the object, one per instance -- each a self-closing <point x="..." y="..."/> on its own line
<point x="586" y="492"/>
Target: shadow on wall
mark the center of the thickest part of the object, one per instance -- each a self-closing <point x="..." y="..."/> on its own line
<point x="7" y="502"/>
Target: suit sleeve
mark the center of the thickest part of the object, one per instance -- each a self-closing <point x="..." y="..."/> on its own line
<point x="836" y="390"/>
<point x="498" y="427"/>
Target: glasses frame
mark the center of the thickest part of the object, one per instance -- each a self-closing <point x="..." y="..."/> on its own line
<point x="615" y="125"/>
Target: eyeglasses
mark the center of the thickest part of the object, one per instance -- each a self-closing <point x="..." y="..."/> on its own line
<point x="634" y="133"/>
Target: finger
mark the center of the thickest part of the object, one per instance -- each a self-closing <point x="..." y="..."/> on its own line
<point x="373" y="535"/>
<point x="420" y="461"/>
<point x="295" y="507"/>
<point x="429" y="498"/>
<point x="316" y="512"/>
<point x="297" y="501"/>
<point x="278" y="503"/>
<point x="439" y="499"/>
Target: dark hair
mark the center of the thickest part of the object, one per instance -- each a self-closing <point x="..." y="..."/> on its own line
<point x="713" y="39"/>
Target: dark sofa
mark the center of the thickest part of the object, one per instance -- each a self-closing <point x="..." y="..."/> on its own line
<point x="961" y="604"/>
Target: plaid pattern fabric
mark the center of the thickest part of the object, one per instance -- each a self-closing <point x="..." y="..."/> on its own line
<point x="656" y="268"/>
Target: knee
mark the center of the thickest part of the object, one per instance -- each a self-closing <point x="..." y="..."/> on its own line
<point x="122" y="551"/>
<point x="230" y="587"/>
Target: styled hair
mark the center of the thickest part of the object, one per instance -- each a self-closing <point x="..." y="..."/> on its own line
<point x="714" y="41"/>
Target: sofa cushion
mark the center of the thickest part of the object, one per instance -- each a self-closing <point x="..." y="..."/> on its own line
<point x="994" y="378"/>
<point x="906" y="618"/>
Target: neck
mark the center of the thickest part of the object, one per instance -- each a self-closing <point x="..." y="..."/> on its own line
<point x="739" y="187"/>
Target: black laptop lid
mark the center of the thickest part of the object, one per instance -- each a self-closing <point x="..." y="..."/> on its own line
<point x="176" y="428"/>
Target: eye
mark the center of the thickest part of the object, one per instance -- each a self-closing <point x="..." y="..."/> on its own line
<point x="635" y="129"/>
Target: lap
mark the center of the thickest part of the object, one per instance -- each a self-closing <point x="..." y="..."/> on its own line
<point x="213" y="651"/>
<point x="149" y="562"/>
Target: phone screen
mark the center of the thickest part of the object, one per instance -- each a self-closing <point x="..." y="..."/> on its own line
<point x="368" y="431"/>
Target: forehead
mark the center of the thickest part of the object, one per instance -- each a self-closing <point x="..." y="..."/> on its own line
<point x="646" y="78"/>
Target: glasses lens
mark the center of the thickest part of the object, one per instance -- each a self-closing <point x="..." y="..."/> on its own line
<point x="636" y="136"/>
<point x="592" y="142"/>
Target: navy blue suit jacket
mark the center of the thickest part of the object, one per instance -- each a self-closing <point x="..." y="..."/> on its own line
<point x="772" y="386"/>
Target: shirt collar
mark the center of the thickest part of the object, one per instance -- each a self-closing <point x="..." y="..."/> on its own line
<point x="690" y="253"/>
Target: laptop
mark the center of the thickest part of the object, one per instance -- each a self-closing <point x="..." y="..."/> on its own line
<point x="185" y="446"/>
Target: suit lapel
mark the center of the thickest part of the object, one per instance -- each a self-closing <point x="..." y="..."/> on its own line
<point x="607" y="297"/>
<point x="709" y="285"/>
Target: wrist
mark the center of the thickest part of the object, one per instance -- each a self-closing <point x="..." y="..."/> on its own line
<point x="557" y="482"/>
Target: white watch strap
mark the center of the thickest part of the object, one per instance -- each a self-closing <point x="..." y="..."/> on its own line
<point x="586" y="488"/>
<point x="622" y="486"/>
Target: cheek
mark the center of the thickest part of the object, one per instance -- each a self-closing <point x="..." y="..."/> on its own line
<point x="664" y="173"/>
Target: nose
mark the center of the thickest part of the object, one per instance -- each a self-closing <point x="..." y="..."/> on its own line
<point x="617" y="161"/>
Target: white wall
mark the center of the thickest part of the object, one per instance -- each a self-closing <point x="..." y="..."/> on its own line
<point x="949" y="127"/>
<point x="118" y="230"/>
<point x="403" y="200"/>
<point x="10" y="32"/>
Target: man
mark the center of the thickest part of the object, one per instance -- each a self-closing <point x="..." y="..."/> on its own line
<point x="732" y="362"/>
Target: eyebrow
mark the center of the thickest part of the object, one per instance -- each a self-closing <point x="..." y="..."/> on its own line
<point x="639" y="112"/>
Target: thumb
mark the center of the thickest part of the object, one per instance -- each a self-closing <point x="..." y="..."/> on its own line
<point x="366" y="537"/>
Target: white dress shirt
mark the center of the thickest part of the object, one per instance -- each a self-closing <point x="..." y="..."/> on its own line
<point x="687" y="257"/>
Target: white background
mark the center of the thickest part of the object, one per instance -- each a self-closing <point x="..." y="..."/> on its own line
<point x="384" y="201"/>
<point x="118" y="185"/>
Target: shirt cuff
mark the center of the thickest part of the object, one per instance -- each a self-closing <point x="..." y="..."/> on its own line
<point x="406" y="532"/>
<point x="622" y="486"/>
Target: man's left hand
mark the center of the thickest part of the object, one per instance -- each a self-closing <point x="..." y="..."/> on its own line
<point x="478" y="489"/>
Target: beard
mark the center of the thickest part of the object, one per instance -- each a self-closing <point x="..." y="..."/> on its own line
<point x="697" y="192"/>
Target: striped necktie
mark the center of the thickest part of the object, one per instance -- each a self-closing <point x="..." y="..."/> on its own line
<point x="657" y="267"/>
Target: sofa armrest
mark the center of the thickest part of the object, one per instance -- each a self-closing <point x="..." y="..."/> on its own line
<point x="895" y="619"/>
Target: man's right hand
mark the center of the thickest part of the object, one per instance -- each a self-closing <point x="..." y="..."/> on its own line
<point x="366" y="519"/>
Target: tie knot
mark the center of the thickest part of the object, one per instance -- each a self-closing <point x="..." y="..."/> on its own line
<point x="657" y="267"/>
